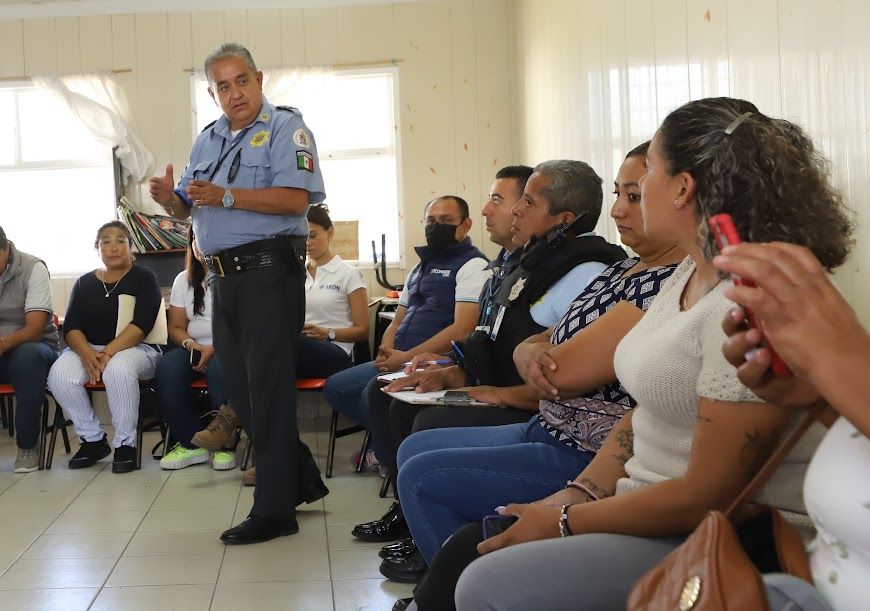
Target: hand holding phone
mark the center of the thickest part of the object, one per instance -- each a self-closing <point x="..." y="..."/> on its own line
<point x="195" y="356"/>
<point x="496" y="524"/>
<point x="722" y="226"/>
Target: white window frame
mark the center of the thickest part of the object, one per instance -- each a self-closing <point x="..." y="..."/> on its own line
<point x="52" y="164"/>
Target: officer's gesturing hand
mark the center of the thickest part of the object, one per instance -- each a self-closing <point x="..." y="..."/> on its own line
<point x="162" y="187"/>
<point x="202" y="193"/>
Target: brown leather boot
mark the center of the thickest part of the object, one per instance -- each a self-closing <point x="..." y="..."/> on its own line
<point x="250" y="477"/>
<point x="220" y="433"/>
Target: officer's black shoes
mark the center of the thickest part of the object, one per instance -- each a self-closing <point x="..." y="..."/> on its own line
<point x="125" y="460"/>
<point x="258" y="530"/>
<point x="89" y="453"/>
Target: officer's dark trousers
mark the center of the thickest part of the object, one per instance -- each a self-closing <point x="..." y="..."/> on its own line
<point x="392" y="421"/>
<point x="257" y="317"/>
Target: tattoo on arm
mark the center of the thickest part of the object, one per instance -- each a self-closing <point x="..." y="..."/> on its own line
<point x="599" y="492"/>
<point x="704" y="418"/>
<point x="625" y="440"/>
<point x="757" y="450"/>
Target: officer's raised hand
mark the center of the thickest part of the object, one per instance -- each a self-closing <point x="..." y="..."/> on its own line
<point x="162" y="187"/>
<point x="203" y="193"/>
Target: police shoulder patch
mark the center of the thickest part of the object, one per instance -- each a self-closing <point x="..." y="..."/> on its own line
<point x="301" y="138"/>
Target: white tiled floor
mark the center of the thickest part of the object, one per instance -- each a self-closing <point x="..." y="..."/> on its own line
<point x="91" y="539"/>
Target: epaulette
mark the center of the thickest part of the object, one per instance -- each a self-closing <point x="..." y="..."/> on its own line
<point x="288" y="108"/>
<point x="209" y="126"/>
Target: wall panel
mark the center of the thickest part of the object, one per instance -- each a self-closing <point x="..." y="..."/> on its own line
<point x="11" y="48"/>
<point x="454" y="80"/>
<point x="805" y="60"/>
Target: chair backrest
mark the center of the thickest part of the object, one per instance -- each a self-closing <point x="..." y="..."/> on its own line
<point x="361" y="353"/>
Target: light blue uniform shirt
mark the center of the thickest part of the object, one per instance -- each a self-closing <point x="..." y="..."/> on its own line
<point x="553" y="305"/>
<point x="276" y="150"/>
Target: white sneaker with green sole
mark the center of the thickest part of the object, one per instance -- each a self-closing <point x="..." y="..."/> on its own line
<point x="180" y="457"/>
<point x="224" y="460"/>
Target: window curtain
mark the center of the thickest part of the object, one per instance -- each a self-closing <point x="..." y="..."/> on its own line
<point x="297" y="87"/>
<point x="99" y="102"/>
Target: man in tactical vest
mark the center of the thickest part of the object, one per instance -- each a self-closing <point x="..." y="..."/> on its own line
<point x="554" y="220"/>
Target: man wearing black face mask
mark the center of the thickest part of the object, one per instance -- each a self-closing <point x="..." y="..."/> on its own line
<point x="437" y="305"/>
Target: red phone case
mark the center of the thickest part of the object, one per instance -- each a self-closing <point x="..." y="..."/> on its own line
<point x="725" y="232"/>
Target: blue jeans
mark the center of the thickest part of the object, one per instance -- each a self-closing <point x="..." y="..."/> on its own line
<point x="173" y="379"/>
<point x="319" y="358"/>
<point x="26" y="368"/>
<point x="450" y="477"/>
<point x="345" y="392"/>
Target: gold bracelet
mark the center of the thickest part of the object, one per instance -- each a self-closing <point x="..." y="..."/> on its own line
<point x="171" y="207"/>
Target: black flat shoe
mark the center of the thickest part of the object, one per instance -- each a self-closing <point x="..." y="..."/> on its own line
<point x="402" y="604"/>
<point x="390" y="527"/>
<point x="312" y="492"/>
<point x="125" y="460"/>
<point x="89" y="453"/>
<point x="405" y="570"/>
<point x="399" y="549"/>
<point x="257" y="530"/>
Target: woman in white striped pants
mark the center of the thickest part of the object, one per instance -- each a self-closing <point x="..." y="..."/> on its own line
<point x="103" y="346"/>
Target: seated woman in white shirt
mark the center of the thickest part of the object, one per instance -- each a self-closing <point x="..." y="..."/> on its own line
<point x="190" y="328"/>
<point x="336" y="304"/>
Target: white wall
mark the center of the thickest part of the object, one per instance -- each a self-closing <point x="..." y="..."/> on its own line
<point x="595" y="77"/>
<point x="454" y="80"/>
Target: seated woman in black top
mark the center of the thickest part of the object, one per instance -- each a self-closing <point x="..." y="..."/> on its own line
<point x="110" y="313"/>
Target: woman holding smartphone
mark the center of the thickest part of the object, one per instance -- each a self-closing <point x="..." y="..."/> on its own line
<point x="190" y="328"/>
<point x="698" y="435"/>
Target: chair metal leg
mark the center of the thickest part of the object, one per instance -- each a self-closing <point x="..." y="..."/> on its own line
<point x="248" y="456"/>
<point x="43" y="421"/>
<point x="363" y="451"/>
<point x="385" y="486"/>
<point x="63" y="431"/>
<point x="330" y="452"/>
<point x="3" y="416"/>
<point x="140" y="425"/>
<point x="59" y="423"/>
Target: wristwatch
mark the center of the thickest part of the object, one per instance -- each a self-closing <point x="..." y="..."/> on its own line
<point x="331" y="335"/>
<point x="228" y="199"/>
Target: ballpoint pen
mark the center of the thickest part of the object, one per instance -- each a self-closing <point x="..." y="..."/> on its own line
<point x="438" y="362"/>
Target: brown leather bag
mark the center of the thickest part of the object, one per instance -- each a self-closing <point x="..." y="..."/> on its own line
<point x="712" y="571"/>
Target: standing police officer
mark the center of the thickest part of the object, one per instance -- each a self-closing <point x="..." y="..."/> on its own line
<point x="250" y="179"/>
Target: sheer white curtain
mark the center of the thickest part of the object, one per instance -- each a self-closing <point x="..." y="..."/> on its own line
<point x="298" y="87"/>
<point x="99" y="102"/>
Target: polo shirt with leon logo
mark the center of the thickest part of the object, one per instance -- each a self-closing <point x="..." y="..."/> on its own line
<point x="326" y="296"/>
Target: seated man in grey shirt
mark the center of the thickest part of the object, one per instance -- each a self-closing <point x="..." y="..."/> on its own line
<point x="28" y="343"/>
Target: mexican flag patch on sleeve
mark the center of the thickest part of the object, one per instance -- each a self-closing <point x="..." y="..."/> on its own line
<point x="304" y="161"/>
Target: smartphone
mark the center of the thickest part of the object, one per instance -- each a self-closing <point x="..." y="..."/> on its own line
<point x="195" y="355"/>
<point x="722" y="226"/>
<point x="496" y="524"/>
<point x="456" y="398"/>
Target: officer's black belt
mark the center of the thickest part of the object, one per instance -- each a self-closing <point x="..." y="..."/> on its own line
<point x="262" y="253"/>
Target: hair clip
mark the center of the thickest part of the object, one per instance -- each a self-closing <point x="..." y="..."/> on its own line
<point x="736" y="123"/>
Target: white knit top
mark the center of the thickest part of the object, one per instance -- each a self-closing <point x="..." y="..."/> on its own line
<point x="668" y="362"/>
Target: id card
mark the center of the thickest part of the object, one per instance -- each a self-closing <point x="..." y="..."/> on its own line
<point x="497" y="325"/>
